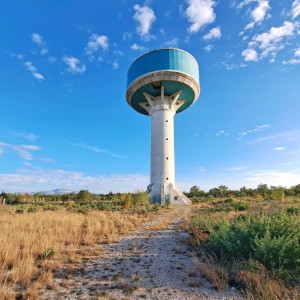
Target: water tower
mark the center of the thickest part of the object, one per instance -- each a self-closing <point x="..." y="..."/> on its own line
<point x="160" y="84"/>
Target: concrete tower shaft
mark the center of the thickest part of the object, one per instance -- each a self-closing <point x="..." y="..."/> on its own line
<point x="162" y="83"/>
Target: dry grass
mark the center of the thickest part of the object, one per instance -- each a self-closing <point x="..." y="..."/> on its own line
<point x="33" y="246"/>
<point x="213" y="272"/>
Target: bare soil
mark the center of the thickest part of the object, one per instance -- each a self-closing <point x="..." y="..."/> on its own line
<point x="154" y="262"/>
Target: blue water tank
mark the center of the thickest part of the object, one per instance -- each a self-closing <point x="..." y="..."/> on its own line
<point x="172" y="68"/>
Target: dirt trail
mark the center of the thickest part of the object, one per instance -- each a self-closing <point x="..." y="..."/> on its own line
<point x="154" y="262"/>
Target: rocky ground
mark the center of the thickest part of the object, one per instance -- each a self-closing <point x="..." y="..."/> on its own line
<point x="155" y="262"/>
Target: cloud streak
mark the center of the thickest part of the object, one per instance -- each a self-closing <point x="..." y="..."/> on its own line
<point x="95" y="149"/>
<point x="23" y="150"/>
<point x="33" y="70"/>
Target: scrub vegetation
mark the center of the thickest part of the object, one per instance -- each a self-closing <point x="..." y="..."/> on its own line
<point x="249" y="239"/>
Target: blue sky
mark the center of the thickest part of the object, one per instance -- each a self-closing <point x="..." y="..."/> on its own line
<point x="64" y="119"/>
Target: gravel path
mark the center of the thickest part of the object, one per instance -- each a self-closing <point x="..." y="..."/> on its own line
<point x="154" y="262"/>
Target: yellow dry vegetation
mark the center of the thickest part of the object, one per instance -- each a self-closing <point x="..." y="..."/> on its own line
<point x="34" y="245"/>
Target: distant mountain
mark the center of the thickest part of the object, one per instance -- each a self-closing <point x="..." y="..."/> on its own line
<point x="56" y="192"/>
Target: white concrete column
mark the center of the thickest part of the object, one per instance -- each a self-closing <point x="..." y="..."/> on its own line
<point x="162" y="182"/>
<point x="162" y="150"/>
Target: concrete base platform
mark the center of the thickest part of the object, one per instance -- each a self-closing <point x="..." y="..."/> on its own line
<point x="169" y="195"/>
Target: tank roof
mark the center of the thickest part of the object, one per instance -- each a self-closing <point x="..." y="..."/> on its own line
<point x="158" y="49"/>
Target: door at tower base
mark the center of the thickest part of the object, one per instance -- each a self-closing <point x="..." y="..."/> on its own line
<point x="168" y="195"/>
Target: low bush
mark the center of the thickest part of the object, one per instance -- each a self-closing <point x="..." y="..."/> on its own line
<point x="272" y="239"/>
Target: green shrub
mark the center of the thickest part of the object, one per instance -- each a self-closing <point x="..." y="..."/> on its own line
<point x="271" y="239"/>
<point x="105" y="205"/>
<point x="50" y="207"/>
<point x="32" y="209"/>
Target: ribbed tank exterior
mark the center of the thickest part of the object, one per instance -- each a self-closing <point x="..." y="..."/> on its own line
<point x="172" y="68"/>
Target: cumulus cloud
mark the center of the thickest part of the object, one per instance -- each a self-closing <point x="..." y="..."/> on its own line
<point x="250" y="55"/>
<point x="39" y="40"/>
<point x="136" y="47"/>
<point x="31" y="68"/>
<point x="260" y="12"/>
<point x="275" y="35"/>
<point x="74" y="65"/>
<point x="95" y="43"/>
<point x="200" y="13"/>
<point x="26" y="180"/>
<point x="295" y="11"/>
<point x="214" y="33"/>
<point x="270" y="42"/>
<point x="145" y="16"/>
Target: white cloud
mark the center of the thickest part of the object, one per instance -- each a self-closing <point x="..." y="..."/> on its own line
<point x="74" y="65"/>
<point x="31" y="68"/>
<point x="273" y="177"/>
<point x="275" y="35"/>
<point x="244" y="3"/>
<point x="259" y="13"/>
<point x="115" y="65"/>
<point x="208" y="48"/>
<point x="221" y="132"/>
<point x="96" y="149"/>
<point x="238" y="168"/>
<point x="24" y="135"/>
<point x="250" y="55"/>
<point x="297" y="52"/>
<point x="290" y="136"/>
<point x="292" y="61"/>
<point x="145" y="16"/>
<point x="39" y="40"/>
<point x="201" y="169"/>
<point x="249" y="26"/>
<point x="23" y="150"/>
<point x="255" y="129"/>
<point x="36" y="180"/>
<point x="214" y="33"/>
<point x="172" y="43"/>
<point x="270" y="42"/>
<point x="127" y="36"/>
<point x="136" y="47"/>
<point x="95" y="43"/>
<point x="200" y="13"/>
<point x="279" y="148"/>
<point x="295" y="11"/>
<point x="36" y="38"/>
<point x="119" y="52"/>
